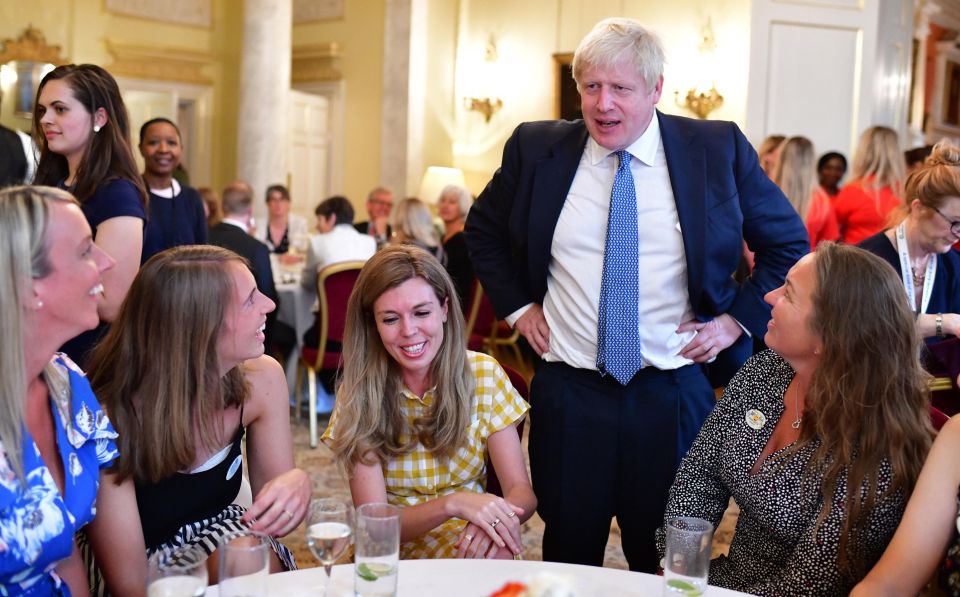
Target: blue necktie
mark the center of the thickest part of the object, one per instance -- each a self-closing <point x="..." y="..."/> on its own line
<point x="618" y="336"/>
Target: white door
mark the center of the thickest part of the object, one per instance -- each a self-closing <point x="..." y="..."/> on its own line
<point x="309" y="156"/>
<point x="828" y="69"/>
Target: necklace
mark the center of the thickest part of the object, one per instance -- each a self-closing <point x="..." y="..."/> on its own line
<point x="796" y="406"/>
<point x="917" y="279"/>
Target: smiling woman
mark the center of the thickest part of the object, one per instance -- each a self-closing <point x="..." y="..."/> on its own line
<point x="80" y="125"/>
<point x="176" y="211"/>
<point x="416" y="414"/>
<point x="920" y="246"/>
<point x="184" y="405"/>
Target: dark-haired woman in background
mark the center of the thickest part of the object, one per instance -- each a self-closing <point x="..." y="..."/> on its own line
<point x="81" y="127"/>
<point x="831" y="167"/>
<point x="176" y="211"/>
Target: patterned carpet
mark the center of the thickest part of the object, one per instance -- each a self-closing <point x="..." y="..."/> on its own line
<point x="328" y="482"/>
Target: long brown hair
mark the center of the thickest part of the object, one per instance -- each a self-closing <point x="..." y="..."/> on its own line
<point x="369" y="418"/>
<point x="108" y="155"/>
<point x="157" y="371"/>
<point x="868" y="400"/>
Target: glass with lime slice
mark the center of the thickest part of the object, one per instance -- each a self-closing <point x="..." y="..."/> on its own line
<point x="687" y="561"/>
<point x="377" y="550"/>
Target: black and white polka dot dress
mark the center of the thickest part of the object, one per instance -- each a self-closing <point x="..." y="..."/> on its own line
<point x="774" y="550"/>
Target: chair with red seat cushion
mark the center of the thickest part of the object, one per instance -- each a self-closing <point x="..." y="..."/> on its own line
<point x="520" y="384"/>
<point x="334" y="285"/>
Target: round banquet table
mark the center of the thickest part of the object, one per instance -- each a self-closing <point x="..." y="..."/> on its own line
<point x="476" y="578"/>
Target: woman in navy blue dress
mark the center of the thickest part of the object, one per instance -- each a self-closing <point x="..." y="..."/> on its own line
<point x="81" y="127"/>
<point x="56" y="440"/>
<point x="176" y="211"/>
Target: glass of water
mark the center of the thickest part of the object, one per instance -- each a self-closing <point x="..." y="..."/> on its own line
<point x="377" y="550"/>
<point x="182" y="574"/>
<point x="244" y="564"/>
<point x="689" y="545"/>
<point x="329" y="530"/>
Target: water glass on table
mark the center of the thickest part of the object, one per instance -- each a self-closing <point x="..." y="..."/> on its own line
<point x="244" y="564"/>
<point x="182" y="574"/>
<point x="377" y="550"/>
<point x="687" y="563"/>
<point x="329" y="529"/>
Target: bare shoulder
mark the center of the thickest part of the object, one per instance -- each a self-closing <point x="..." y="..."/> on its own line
<point x="950" y="434"/>
<point x="267" y="383"/>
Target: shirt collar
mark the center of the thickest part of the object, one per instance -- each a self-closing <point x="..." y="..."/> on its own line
<point x="643" y="149"/>
<point x="427" y="399"/>
<point x="237" y="223"/>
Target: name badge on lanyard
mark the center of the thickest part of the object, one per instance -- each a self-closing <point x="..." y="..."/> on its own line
<point x="906" y="272"/>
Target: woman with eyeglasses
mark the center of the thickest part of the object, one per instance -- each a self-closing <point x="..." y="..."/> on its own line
<point x="919" y="247"/>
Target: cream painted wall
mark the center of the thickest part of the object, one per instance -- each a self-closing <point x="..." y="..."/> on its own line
<point x="360" y="36"/>
<point x="81" y="26"/>
<point x="528" y="34"/>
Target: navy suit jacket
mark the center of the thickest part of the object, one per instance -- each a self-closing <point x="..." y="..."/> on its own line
<point x="231" y="237"/>
<point x="722" y="198"/>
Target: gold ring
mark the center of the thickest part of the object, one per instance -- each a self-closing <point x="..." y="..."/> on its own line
<point x="511" y="515"/>
<point x="287" y="512"/>
<point x="494" y="524"/>
<point x="469" y="537"/>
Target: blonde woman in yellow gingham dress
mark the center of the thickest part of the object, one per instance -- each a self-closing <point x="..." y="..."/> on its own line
<point x="417" y="413"/>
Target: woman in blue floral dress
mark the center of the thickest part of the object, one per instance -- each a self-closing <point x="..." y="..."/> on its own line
<point x="55" y="441"/>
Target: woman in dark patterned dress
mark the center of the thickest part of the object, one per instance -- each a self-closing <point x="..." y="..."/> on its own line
<point x="840" y="401"/>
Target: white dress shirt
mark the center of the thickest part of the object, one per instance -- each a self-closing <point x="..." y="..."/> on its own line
<point x="576" y="266"/>
<point x="343" y="243"/>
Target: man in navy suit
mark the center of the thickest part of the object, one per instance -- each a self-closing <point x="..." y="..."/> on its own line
<point x="629" y="311"/>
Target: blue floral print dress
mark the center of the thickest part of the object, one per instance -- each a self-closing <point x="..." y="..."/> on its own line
<point x="37" y="524"/>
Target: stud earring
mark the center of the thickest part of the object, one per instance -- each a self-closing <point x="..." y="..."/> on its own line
<point x="96" y="128"/>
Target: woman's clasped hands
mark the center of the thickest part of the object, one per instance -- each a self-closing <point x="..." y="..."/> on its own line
<point x="493" y="526"/>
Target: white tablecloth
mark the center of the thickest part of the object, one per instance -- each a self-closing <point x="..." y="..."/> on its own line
<point x="476" y="578"/>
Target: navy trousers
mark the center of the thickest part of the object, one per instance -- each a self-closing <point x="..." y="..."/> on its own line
<point x="600" y="450"/>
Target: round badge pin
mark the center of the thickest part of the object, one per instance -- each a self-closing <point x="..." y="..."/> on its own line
<point x="756" y="419"/>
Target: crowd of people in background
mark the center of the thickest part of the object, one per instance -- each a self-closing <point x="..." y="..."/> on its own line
<point x="145" y="343"/>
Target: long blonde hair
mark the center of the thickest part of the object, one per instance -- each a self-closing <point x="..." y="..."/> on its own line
<point x="157" y="371"/>
<point x="24" y="255"/>
<point x="369" y="418"/>
<point x="879" y="158"/>
<point x="868" y="399"/>
<point x="796" y="173"/>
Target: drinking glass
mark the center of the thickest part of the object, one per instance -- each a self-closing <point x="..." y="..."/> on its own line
<point x="377" y="550"/>
<point x="689" y="545"/>
<point x="329" y="530"/>
<point x="182" y="574"/>
<point x="244" y="564"/>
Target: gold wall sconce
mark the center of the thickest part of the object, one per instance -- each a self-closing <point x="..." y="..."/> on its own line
<point x="698" y="101"/>
<point x="488" y="106"/>
<point x="25" y="61"/>
<point x="701" y="103"/>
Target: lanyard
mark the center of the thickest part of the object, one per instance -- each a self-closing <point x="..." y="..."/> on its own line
<point x="906" y="272"/>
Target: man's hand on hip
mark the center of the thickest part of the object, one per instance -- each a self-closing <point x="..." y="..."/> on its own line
<point x="712" y="337"/>
<point x="533" y="326"/>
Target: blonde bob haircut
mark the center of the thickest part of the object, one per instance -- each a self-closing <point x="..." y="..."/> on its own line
<point x="412" y="222"/>
<point x="615" y="39"/>
<point x="370" y="425"/>
<point x="24" y="255"/>
<point x="157" y="371"/>
<point x="937" y="179"/>
<point x="464" y="198"/>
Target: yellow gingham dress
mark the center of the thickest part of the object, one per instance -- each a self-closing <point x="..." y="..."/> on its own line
<point x="418" y="477"/>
